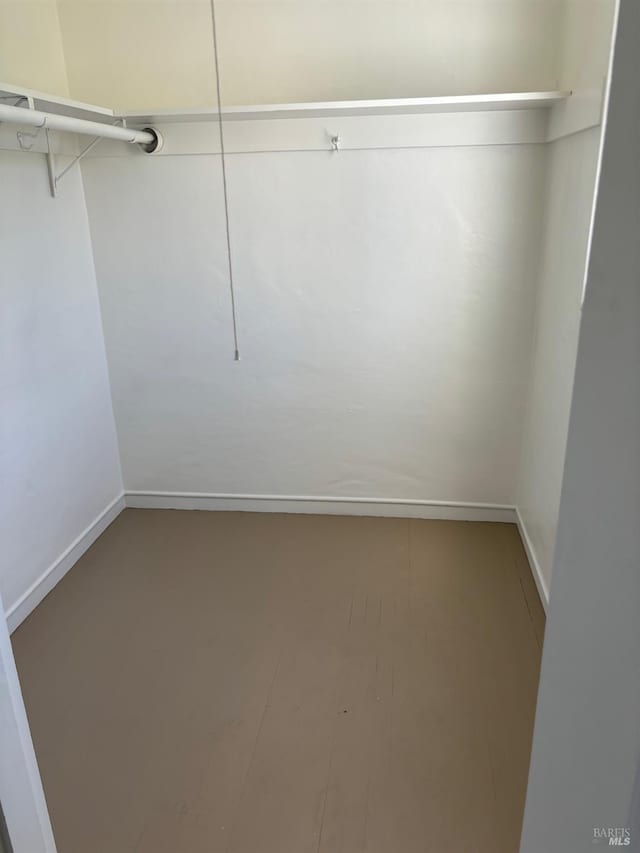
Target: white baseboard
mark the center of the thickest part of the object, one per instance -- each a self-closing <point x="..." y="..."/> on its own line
<point x="381" y="507"/>
<point x="30" y="599"/>
<point x="393" y="508"/>
<point x="536" y="571"/>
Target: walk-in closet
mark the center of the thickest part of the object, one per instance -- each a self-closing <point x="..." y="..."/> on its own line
<point x="291" y="295"/>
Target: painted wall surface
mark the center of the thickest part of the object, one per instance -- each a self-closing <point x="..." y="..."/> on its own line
<point x="586" y="42"/>
<point x="159" y="53"/>
<point x="385" y="303"/>
<point x="570" y="185"/>
<point x="332" y="50"/>
<point x="567" y="219"/>
<point x="31" y="52"/>
<point x="58" y="451"/>
<point x="139" y="53"/>
<point x="585" y="771"/>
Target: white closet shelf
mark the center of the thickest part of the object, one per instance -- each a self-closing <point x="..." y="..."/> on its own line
<point x="52" y="103"/>
<point x="397" y="106"/>
<point x="484" y="119"/>
<point x="401" y="106"/>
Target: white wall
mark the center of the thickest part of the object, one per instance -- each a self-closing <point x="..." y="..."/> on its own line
<point x="385" y="305"/>
<point x="586" y="41"/>
<point x="570" y="185"/>
<point x="139" y="53"/>
<point x="567" y="218"/>
<point x="585" y="770"/>
<point x="144" y="54"/>
<point x="58" y="451"/>
<point x="331" y="50"/>
<point x="31" y="52"/>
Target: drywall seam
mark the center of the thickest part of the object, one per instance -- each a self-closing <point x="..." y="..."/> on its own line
<point x="541" y="240"/>
<point x="29" y="600"/>
<point x="534" y="565"/>
<point x="321" y="505"/>
<point x="114" y="422"/>
<point x="606" y="95"/>
<point x="56" y="7"/>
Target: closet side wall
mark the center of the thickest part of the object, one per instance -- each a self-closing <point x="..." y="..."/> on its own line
<point x="58" y="450"/>
<point x="584" y="781"/>
<point x="569" y="199"/>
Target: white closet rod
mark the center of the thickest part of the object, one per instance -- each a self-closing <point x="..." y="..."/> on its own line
<point x="35" y="118"/>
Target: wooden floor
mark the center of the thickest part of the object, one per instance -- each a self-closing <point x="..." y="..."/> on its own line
<point x="204" y="682"/>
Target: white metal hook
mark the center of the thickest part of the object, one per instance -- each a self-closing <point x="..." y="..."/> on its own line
<point x="26" y="140"/>
<point x="335" y="143"/>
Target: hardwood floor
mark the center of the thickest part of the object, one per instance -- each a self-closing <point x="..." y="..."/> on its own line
<point x="252" y="683"/>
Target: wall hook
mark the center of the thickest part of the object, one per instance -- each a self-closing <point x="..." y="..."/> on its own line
<point x="26" y="140"/>
<point x="335" y="143"/>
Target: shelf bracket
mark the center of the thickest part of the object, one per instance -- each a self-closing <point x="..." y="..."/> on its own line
<point x="17" y="100"/>
<point x="51" y="165"/>
<point x="57" y="178"/>
<point x="54" y="179"/>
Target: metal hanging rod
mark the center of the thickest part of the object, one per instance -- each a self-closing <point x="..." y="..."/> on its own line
<point x="148" y="138"/>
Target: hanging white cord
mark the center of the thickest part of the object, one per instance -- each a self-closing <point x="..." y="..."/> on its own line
<point x="236" y="354"/>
